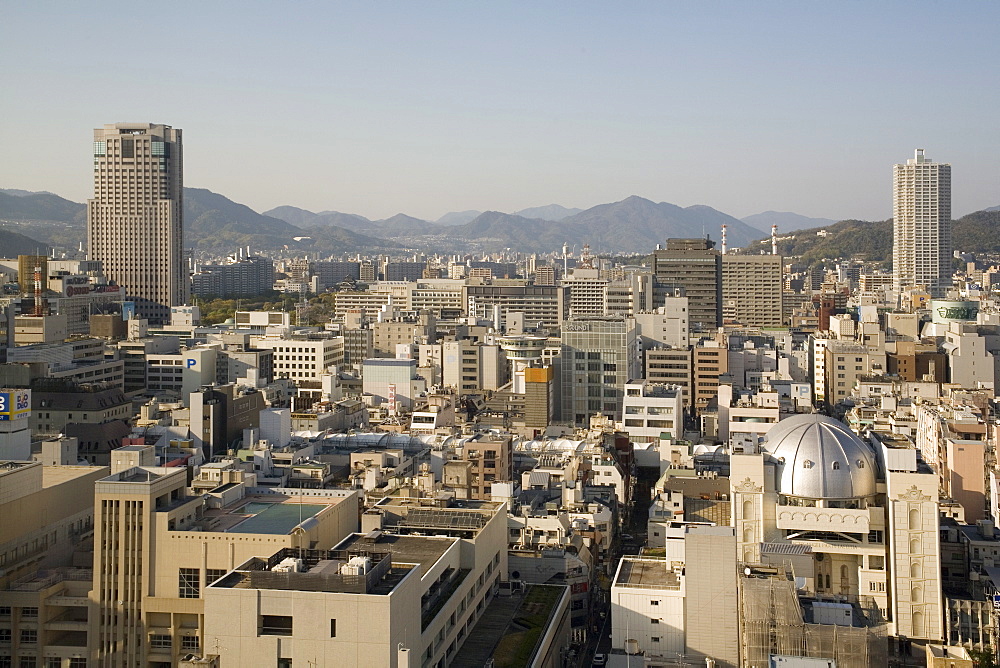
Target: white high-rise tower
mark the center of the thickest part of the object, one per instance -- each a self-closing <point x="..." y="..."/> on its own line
<point x="921" y="231"/>
<point x="134" y="221"/>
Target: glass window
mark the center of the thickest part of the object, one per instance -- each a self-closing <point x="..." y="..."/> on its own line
<point x="275" y="625"/>
<point x="188" y="582"/>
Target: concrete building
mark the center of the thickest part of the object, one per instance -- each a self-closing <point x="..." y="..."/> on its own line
<point x="650" y="410"/>
<point x="57" y="404"/>
<point x="710" y="359"/>
<point x="48" y="517"/>
<point x="330" y="273"/>
<point x="672" y="366"/>
<point x="407" y="592"/>
<point x="845" y="363"/>
<point x="184" y="372"/>
<point x="473" y="366"/>
<point x="238" y="277"/>
<point x="752" y="290"/>
<point x="158" y="546"/>
<point x="695" y="266"/>
<point x="134" y="220"/>
<point x="815" y="496"/>
<point x="684" y="605"/>
<point x="393" y="381"/>
<point x="301" y="358"/>
<point x="542" y="305"/>
<point x="921" y="225"/>
<point x="599" y="355"/>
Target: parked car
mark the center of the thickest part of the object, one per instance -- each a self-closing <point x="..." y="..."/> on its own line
<point x="627" y="537"/>
<point x="600" y="660"/>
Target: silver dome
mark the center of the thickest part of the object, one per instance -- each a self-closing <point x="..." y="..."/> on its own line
<point x="820" y="458"/>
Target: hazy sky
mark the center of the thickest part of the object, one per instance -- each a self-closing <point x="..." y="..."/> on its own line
<point x="426" y="107"/>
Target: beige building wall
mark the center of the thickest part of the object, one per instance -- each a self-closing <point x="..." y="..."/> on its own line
<point x="134" y="220"/>
<point x="45" y="512"/>
<point x="146" y="611"/>
<point x="368" y="629"/>
<point x="915" y="564"/>
<point x="752" y="290"/>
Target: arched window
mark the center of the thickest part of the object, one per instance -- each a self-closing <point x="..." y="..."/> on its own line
<point x="915" y="570"/>
<point x="748" y="510"/>
<point x="748" y="534"/>
<point x="914" y="519"/>
<point x="917" y="595"/>
<point x="915" y="546"/>
<point x="807" y="464"/>
<point x="843" y="575"/>
<point x="918" y="624"/>
<point x="836" y="466"/>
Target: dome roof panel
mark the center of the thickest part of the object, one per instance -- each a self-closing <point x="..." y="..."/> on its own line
<point x="820" y="458"/>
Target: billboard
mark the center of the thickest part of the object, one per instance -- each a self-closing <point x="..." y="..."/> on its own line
<point x="128" y="310"/>
<point x="947" y="310"/>
<point x="15" y="404"/>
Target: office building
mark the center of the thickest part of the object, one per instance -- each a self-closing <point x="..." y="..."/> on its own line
<point x="752" y="290"/>
<point x="921" y="225"/>
<point x="599" y="355"/>
<point x="48" y="512"/>
<point x="134" y="221"/>
<point x="159" y="543"/>
<point x="408" y="592"/>
<point x="330" y="273"/>
<point x="695" y="266"/>
<point x="543" y="306"/>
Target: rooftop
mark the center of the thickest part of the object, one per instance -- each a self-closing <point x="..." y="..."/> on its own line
<point x="510" y="628"/>
<point x="646" y="574"/>
<point x="262" y="514"/>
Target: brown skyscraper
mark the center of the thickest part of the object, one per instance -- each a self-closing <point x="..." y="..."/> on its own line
<point x="134" y="221"/>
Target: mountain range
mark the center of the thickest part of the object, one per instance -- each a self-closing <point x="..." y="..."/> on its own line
<point x="217" y="224"/>
<point x="635" y="224"/>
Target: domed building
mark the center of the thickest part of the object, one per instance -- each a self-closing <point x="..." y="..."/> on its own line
<point x="852" y="519"/>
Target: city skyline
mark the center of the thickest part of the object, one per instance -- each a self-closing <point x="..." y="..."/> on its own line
<point x="377" y="111"/>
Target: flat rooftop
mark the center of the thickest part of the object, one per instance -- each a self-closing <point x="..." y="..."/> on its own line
<point x="392" y="558"/>
<point x="263" y="514"/>
<point x="422" y="550"/>
<point x="646" y="573"/>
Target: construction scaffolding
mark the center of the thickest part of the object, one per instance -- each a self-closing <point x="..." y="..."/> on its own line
<point x="773" y="623"/>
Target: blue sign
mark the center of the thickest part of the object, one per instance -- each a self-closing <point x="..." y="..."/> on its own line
<point x="15" y="404"/>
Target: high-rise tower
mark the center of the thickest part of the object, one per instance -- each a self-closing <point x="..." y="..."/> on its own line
<point x="134" y="221"/>
<point x="921" y="225"/>
<point x="696" y="266"/>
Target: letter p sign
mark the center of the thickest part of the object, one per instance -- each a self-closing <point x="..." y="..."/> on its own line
<point x="191" y="362"/>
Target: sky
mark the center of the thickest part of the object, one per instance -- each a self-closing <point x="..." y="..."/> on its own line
<point x="378" y="108"/>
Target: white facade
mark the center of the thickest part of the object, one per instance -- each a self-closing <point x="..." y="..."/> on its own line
<point x="302" y="359"/>
<point x="921" y="213"/>
<point x="650" y="410"/>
